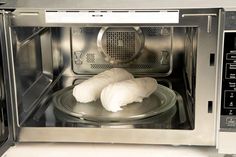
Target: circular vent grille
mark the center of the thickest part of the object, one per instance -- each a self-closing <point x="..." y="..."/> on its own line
<point x="120" y="45"/>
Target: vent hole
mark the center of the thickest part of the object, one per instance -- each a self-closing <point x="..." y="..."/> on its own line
<point x="212" y="59"/>
<point x="210" y="106"/>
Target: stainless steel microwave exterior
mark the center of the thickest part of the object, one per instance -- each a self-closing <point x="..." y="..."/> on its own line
<point x="185" y="46"/>
<point x="114" y="5"/>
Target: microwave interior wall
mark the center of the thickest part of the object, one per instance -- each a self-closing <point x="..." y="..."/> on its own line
<point x="48" y="59"/>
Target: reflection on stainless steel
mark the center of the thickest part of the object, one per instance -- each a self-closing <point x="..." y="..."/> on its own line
<point x="163" y="121"/>
<point x="3" y="116"/>
<point x="160" y="101"/>
<point x="190" y="58"/>
<point x="33" y="65"/>
<point x="2" y="90"/>
<point x="2" y="125"/>
<point x="182" y="115"/>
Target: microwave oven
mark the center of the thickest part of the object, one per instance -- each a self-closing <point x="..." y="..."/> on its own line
<point x="46" y="50"/>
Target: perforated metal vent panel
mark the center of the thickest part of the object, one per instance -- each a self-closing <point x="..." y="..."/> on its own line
<point x="120" y="45"/>
<point x="90" y="58"/>
<point x="133" y="66"/>
<point x="139" y="50"/>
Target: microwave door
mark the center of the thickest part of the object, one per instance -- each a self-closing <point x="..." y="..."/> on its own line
<point x="6" y="138"/>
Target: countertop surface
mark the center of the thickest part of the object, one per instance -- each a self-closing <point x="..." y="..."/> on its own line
<point x="107" y="150"/>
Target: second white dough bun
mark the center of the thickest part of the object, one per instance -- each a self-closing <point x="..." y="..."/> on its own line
<point x="119" y="94"/>
<point x="90" y="89"/>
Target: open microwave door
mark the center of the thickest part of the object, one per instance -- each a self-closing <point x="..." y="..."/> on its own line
<point x="6" y="131"/>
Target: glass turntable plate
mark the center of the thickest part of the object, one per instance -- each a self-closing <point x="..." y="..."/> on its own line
<point x="160" y="101"/>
